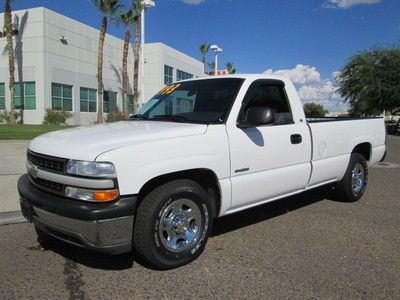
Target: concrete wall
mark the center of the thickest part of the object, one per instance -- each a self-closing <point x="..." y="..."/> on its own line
<point x="29" y="58"/>
<point x="156" y="56"/>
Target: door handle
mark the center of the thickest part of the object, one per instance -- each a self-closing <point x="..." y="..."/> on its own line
<point x="296" y="138"/>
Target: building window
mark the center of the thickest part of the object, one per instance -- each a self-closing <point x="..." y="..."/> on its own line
<point x="180" y="75"/>
<point x="110" y="102"/>
<point x="25" y="95"/>
<point x="168" y="74"/>
<point x="2" y="96"/>
<point x="61" y="97"/>
<point x="88" y="100"/>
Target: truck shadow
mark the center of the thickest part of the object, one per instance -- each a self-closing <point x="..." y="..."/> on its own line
<point x="270" y="210"/>
<point x="89" y="258"/>
<point x="222" y="225"/>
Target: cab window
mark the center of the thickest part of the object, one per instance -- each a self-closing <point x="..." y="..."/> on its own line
<point x="274" y="97"/>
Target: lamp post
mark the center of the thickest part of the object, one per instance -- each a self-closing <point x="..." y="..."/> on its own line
<point x="145" y="4"/>
<point x="216" y="50"/>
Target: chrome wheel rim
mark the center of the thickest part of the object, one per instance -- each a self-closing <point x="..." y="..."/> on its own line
<point x="357" y="178"/>
<point x="180" y="225"/>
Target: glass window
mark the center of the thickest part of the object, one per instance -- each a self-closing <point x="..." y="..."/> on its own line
<point x="88" y="101"/>
<point x="61" y="97"/>
<point x="25" y="96"/>
<point x="168" y="74"/>
<point x="2" y="96"/>
<point x="110" y="102"/>
<point x="198" y="101"/>
<point x="30" y="89"/>
<point x="272" y="96"/>
<point x="180" y="75"/>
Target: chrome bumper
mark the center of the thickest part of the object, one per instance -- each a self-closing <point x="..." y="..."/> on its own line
<point x="110" y="236"/>
<point x="104" y="227"/>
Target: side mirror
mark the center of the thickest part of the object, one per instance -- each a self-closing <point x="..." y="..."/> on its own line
<point x="256" y="116"/>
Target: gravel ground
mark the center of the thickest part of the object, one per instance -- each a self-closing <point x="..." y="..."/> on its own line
<point x="307" y="246"/>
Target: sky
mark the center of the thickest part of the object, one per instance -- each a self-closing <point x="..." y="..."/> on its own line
<point x="308" y="41"/>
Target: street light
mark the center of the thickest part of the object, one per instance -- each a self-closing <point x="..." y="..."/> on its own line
<point x="145" y="4"/>
<point x="216" y="50"/>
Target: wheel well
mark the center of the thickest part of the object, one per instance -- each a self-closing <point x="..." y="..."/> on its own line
<point x="204" y="177"/>
<point x="364" y="149"/>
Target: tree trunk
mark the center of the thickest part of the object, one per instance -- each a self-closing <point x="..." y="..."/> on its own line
<point x="125" y="71"/>
<point x="11" y="62"/>
<point x="100" y="86"/>
<point x="136" y="65"/>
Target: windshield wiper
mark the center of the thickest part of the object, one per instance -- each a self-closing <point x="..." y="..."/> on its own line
<point x="137" y="117"/>
<point x="170" y="118"/>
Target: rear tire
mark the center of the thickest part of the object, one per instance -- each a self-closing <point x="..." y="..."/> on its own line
<point x="173" y="223"/>
<point x="352" y="186"/>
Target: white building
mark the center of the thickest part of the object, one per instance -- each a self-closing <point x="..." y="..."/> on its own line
<point x="56" y="67"/>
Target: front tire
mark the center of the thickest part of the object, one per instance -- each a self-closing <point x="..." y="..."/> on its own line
<point x="352" y="186"/>
<point x="172" y="224"/>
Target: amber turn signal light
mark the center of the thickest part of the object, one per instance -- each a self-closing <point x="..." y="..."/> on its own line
<point x="103" y="196"/>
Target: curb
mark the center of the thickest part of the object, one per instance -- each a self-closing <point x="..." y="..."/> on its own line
<point x="11" y="217"/>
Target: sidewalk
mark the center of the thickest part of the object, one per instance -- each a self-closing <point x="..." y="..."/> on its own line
<point x="12" y="165"/>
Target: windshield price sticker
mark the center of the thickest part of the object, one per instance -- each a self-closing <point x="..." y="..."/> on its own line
<point x="169" y="89"/>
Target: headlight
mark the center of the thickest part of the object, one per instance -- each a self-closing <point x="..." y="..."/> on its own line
<point x="90" y="168"/>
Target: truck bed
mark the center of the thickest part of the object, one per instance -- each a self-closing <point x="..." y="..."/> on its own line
<point x="334" y="139"/>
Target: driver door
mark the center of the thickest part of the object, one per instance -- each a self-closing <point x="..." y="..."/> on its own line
<point x="271" y="160"/>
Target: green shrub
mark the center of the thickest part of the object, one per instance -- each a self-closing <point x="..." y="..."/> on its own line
<point x="5" y="117"/>
<point x="56" y="117"/>
<point x="115" y="117"/>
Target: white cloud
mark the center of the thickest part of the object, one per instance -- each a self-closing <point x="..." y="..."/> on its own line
<point x="193" y="1"/>
<point x="336" y="74"/>
<point x="348" y="3"/>
<point x="308" y="92"/>
<point x="311" y="87"/>
<point x="300" y="74"/>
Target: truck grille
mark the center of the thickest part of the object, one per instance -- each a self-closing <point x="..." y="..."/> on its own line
<point x="46" y="162"/>
<point x="47" y="185"/>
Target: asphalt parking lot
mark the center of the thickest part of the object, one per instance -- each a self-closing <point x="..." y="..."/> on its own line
<point x="307" y="246"/>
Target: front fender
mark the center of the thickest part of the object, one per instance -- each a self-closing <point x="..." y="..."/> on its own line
<point x="137" y="164"/>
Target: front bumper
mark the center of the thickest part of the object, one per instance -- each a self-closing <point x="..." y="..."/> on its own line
<point x="103" y="227"/>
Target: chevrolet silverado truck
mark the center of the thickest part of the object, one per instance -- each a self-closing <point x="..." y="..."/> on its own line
<point x="198" y="150"/>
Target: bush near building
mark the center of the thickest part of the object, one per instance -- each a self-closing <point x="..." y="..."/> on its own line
<point x="115" y="117"/>
<point x="56" y="117"/>
<point x="5" y="116"/>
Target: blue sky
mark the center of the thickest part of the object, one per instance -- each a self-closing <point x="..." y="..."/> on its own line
<point x="306" y="40"/>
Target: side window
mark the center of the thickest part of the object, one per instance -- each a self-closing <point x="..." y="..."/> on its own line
<point x="274" y="97"/>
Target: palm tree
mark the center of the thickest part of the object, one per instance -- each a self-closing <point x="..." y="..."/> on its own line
<point x="211" y="66"/>
<point x="10" y="53"/>
<point x="204" y="48"/>
<point x="230" y="68"/>
<point x="137" y="7"/>
<point x="109" y="9"/>
<point x="127" y="18"/>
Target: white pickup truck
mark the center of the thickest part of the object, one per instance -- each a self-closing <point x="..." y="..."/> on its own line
<point x="198" y="150"/>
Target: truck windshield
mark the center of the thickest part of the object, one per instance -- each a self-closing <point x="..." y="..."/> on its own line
<point x="198" y="101"/>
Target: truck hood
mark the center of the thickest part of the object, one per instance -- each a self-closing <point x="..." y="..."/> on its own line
<point x="87" y="142"/>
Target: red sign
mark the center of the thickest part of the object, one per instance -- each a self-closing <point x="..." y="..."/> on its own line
<point x="222" y="72"/>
